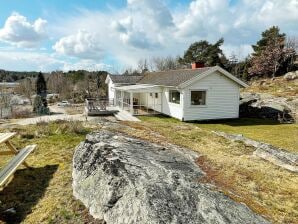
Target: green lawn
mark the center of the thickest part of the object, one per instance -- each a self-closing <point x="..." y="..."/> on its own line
<point x="280" y="135"/>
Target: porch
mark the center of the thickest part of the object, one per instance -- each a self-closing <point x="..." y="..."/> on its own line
<point x="139" y="99"/>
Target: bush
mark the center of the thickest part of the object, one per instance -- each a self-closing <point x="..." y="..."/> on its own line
<point x="21" y="113"/>
<point x="70" y="127"/>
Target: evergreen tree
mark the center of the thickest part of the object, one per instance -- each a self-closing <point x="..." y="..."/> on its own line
<point x="271" y="56"/>
<point x="268" y="36"/>
<point x="204" y="52"/>
<point x="41" y="86"/>
<point x="40" y="104"/>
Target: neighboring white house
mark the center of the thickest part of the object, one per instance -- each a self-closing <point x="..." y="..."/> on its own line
<point x="120" y="80"/>
<point x="188" y="94"/>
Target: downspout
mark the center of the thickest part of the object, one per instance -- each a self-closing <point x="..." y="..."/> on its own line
<point x="183" y="104"/>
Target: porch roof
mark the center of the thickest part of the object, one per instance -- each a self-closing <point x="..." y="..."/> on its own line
<point x="141" y="88"/>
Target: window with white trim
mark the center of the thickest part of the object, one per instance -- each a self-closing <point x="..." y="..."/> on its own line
<point x="174" y="96"/>
<point x="198" y="97"/>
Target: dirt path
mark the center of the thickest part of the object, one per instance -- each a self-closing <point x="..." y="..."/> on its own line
<point x="60" y="115"/>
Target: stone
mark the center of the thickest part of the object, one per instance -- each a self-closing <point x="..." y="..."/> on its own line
<point x="126" y="180"/>
<point x="264" y="105"/>
<point x="291" y="76"/>
<point x="275" y="155"/>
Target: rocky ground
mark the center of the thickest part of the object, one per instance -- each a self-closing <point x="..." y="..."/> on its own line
<point x="264" y="105"/>
<point x="277" y="156"/>
<point x="274" y="98"/>
<point x="127" y="180"/>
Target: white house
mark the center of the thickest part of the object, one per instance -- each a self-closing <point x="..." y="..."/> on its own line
<point x="120" y="80"/>
<point x="189" y="94"/>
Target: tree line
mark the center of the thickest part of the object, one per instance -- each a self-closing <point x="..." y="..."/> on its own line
<point x="72" y="85"/>
<point x="273" y="55"/>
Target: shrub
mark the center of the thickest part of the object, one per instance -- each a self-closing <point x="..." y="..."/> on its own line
<point x="21" y="113"/>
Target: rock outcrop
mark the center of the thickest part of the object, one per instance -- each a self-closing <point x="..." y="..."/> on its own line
<point x="267" y="106"/>
<point x="126" y="180"/>
<point x="277" y="156"/>
<point x="291" y="76"/>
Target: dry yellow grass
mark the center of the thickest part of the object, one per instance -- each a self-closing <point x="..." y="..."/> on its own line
<point x="279" y="135"/>
<point x="43" y="194"/>
<point x="265" y="188"/>
<point x="74" y="110"/>
<point x="276" y="87"/>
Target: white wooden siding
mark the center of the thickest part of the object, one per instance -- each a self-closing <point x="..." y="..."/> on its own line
<point x="111" y="90"/>
<point x="222" y="99"/>
<point x="172" y="109"/>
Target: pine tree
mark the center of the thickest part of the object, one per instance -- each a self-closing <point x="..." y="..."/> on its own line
<point x="204" y="52"/>
<point x="41" y="86"/>
<point x="270" y="54"/>
<point x="268" y="36"/>
<point x="40" y="104"/>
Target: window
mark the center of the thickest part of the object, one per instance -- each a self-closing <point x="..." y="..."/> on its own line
<point x="198" y="97"/>
<point x="174" y="96"/>
<point x="156" y="95"/>
<point x="151" y="94"/>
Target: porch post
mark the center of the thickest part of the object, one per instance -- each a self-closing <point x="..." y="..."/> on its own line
<point x="122" y="98"/>
<point x="131" y="102"/>
<point x="154" y="104"/>
<point x="147" y="102"/>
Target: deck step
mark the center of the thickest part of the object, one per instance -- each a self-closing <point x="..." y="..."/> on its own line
<point x="14" y="163"/>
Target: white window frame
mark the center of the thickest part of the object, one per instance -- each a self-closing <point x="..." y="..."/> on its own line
<point x="206" y="100"/>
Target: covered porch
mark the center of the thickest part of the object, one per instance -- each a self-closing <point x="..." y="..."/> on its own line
<point x="139" y="99"/>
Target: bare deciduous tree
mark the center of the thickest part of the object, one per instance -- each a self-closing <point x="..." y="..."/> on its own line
<point x="26" y="88"/>
<point x="167" y="63"/>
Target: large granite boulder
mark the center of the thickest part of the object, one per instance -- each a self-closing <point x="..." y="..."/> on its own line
<point x="126" y="180"/>
<point x="264" y="105"/>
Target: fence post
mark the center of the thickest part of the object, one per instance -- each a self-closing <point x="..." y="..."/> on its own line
<point x="131" y="103"/>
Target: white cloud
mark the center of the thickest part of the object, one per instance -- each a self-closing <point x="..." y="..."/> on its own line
<point x="132" y="36"/>
<point x="206" y="19"/>
<point x="153" y="11"/>
<point x="150" y="28"/>
<point x="19" y="31"/>
<point x="45" y="62"/>
<point x="82" y="44"/>
<point x="28" y="61"/>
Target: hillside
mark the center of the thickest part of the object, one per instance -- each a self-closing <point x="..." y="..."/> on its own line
<point x="279" y="87"/>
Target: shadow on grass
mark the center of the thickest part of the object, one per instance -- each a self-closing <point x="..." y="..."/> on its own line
<point x="24" y="192"/>
<point x="230" y="122"/>
<point x="239" y="122"/>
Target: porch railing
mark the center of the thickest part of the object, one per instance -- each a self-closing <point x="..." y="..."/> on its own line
<point x="101" y="104"/>
<point x="138" y="109"/>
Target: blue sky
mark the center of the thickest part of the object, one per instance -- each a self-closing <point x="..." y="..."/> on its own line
<point x="114" y="34"/>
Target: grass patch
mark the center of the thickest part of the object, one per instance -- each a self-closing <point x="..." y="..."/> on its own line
<point x="278" y="87"/>
<point x="43" y="194"/>
<point x="264" y="187"/>
<point x="280" y="135"/>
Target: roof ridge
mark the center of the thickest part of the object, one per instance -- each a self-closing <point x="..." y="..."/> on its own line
<point x="126" y="75"/>
<point x="182" y="69"/>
